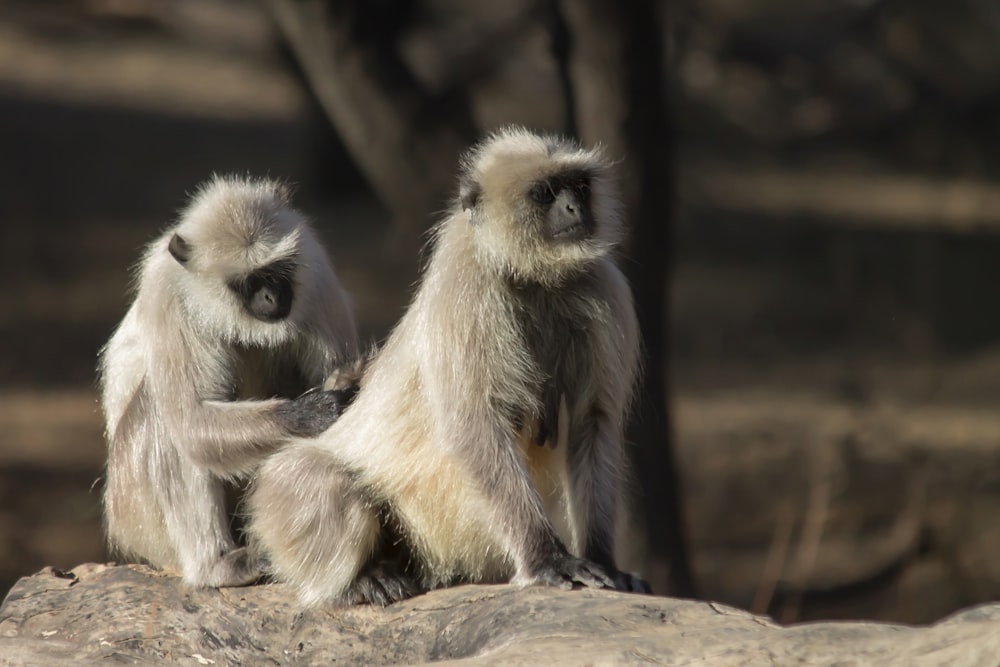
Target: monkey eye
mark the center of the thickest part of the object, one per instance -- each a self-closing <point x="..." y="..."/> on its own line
<point x="542" y="193"/>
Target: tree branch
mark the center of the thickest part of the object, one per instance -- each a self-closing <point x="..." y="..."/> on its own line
<point x="404" y="142"/>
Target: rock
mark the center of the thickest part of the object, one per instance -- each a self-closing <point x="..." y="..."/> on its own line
<point x="98" y="614"/>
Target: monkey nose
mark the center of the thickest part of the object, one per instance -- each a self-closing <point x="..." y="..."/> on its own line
<point x="272" y="302"/>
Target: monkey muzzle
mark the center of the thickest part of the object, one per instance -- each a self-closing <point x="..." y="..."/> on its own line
<point x="569" y="217"/>
<point x="266" y="295"/>
<point x="271" y="302"/>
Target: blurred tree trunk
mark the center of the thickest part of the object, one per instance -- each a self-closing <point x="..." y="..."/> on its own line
<point x="404" y="141"/>
<point x="619" y="80"/>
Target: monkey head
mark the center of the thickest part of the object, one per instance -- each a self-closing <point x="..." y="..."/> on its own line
<point x="238" y="251"/>
<point x="541" y="207"/>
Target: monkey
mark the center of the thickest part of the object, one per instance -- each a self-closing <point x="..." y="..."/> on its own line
<point x="236" y="313"/>
<point x="488" y="430"/>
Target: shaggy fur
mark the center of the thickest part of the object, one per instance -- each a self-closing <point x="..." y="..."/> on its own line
<point x="495" y="411"/>
<point x="196" y="389"/>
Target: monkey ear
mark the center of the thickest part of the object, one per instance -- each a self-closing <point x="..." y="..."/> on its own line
<point x="179" y="248"/>
<point x="468" y="194"/>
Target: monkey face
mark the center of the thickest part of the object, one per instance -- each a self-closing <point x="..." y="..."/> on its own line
<point x="267" y="293"/>
<point x="246" y="267"/>
<point x="540" y="208"/>
<point x="563" y="204"/>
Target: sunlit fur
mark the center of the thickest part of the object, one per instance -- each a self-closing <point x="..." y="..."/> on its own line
<point x="509" y="238"/>
<point x="190" y="381"/>
<point x="441" y="432"/>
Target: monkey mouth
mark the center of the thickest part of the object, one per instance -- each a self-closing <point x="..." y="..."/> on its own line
<point x="576" y="231"/>
<point x="570" y="223"/>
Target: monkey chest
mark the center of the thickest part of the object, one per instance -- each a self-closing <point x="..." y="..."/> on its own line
<point x="561" y="329"/>
<point x="561" y="349"/>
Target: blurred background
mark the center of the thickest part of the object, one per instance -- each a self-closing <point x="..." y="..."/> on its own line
<point x="815" y="214"/>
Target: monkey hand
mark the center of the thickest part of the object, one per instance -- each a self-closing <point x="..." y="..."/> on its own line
<point x="313" y="412"/>
<point x="564" y="570"/>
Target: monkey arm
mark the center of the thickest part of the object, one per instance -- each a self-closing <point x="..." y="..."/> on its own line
<point x="517" y="509"/>
<point x="595" y="468"/>
<point x="596" y="457"/>
<point x="192" y="384"/>
<point x="231" y="437"/>
<point x="478" y="427"/>
<point x="517" y="514"/>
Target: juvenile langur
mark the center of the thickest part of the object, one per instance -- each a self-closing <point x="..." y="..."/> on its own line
<point x="236" y="313"/>
<point x="494" y="412"/>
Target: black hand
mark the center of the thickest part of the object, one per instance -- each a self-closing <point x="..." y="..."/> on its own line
<point x="566" y="570"/>
<point x="313" y="412"/>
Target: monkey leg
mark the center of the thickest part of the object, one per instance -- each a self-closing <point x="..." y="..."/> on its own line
<point x="381" y="583"/>
<point x="321" y="531"/>
<point x="197" y="524"/>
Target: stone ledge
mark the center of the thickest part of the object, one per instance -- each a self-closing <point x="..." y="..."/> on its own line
<point x="98" y="614"/>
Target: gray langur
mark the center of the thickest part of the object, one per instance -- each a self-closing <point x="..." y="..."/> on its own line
<point x="488" y="431"/>
<point x="237" y="312"/>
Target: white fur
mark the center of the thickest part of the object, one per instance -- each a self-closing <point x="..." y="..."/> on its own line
<point x="428" y="435"/>
<point x="188" y="380"/>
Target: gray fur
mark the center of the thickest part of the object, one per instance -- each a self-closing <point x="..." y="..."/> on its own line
<point x="516" y="335"/>
<point x="196" y="389"/>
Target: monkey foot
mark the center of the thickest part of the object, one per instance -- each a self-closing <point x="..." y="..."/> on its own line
<point x="381" y="585"/>
<point x="234" y="568"/>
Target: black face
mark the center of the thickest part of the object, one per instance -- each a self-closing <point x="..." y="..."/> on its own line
<point x="565" y="200"/>
<point x="267" y="292"/>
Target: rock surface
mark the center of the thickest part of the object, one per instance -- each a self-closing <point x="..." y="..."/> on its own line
<point x="98" y="614"/>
